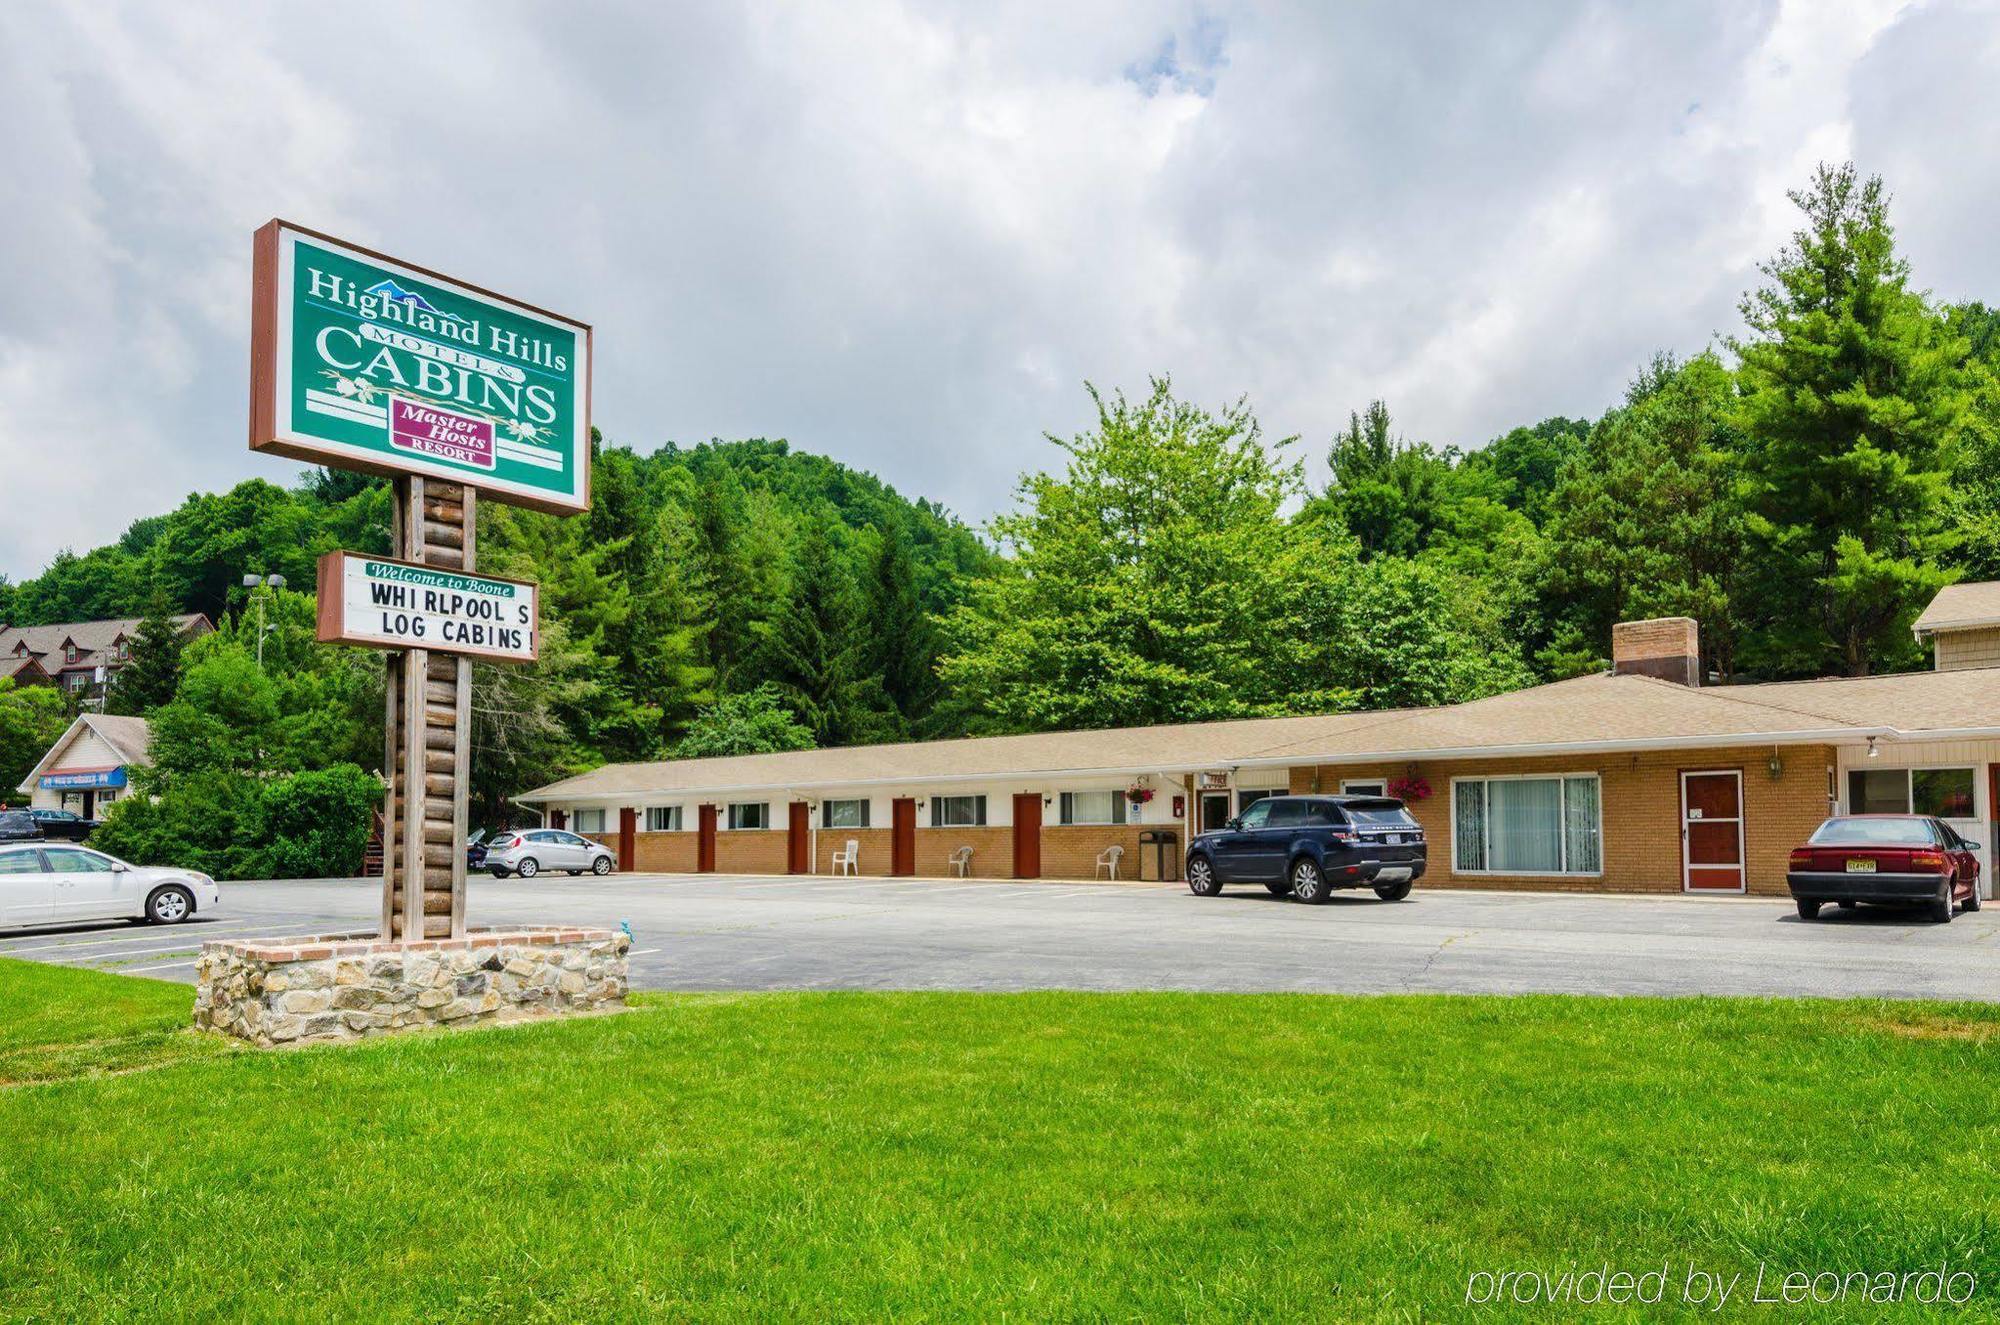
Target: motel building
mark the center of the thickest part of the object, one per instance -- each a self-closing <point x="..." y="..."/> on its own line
<point x="90" y="765"/>
<point x="1639" y="779"/>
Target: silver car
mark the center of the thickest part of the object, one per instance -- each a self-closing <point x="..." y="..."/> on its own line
<point x="529" y="851"/>
<point x="54" y="883"/>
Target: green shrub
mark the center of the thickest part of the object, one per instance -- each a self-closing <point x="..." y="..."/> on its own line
<point x="234" y="826"/>
<point x="315" y="825"/>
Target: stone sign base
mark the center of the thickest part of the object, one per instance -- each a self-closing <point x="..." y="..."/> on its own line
<point x="347" y="986"/>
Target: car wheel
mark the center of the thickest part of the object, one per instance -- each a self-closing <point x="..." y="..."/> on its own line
<point x="169" y="905"/>
<point x="601" y="866"/>
<point x="1283" y="889"/>
<point x="528" y="868"/>
<point x="1202" y="879"/>
<point x="1972" y="898"/>
<point x="1808" y="910"/>
<point x="1394" y="892"/>
<point x="497" y="873"/>
<point x="1941" y="904"/>
<point x="1308" y="884"/>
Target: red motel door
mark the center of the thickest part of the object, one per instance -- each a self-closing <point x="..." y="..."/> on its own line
<point x="1028" y="835"/>
<point x="1712" y="831"/>
<point x="704" y="845"/>
<point x="628" y="829"/>
<point x="903" y="836"/>
<point x="798" y="840"/>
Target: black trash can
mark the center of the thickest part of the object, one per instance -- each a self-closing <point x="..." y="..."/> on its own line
<point x="1160" y="855"/>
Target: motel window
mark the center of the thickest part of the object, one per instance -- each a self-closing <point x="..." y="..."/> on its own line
<point x="844" y="814"/>
<point x="1093" y="807"/>
<point x="589" y="821"/>
<point x="750" y="814"/>
<point x="1245" y="799"/>
<point x="663" y="818"/>
<point x="1364" y="787"/>
<point x="958" y="811"/>
<point x="1527" y="825"/>
<point x="1946" y="793"/>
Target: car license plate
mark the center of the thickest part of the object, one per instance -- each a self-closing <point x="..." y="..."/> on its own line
<point x="1392" y="876"/>
<point x="1860" y="867"/>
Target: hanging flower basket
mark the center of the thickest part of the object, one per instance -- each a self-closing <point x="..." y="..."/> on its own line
<point x="1409" y="789"/>
<point x="1139" y="795"/>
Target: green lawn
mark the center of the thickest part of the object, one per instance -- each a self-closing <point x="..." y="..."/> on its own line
<point x="985" y="1157"/>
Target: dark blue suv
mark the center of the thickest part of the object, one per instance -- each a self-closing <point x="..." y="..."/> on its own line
<point x="1309" y="845"/>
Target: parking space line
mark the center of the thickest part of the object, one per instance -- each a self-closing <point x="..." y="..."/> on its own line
<point x="119" y="939"/>
<point x="164" y="966"/>
<point x="117" y="954"/>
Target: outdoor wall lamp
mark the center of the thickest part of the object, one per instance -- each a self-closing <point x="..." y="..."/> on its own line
<point x="1776" y="765"/>
<point x="1873" y="753"/>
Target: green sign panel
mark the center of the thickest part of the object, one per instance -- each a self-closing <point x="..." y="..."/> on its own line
<point x="362" y="362"/>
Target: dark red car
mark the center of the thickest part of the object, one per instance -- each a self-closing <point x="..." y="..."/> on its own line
<point x="1885" y="858"/>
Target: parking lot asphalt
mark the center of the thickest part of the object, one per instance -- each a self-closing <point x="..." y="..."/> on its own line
<point x="727" y="933"/>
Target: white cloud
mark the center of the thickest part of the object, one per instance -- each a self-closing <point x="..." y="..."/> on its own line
<point x="904" y="234"/>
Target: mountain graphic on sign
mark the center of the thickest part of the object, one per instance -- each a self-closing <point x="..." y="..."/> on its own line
<point x="395" y="293"/>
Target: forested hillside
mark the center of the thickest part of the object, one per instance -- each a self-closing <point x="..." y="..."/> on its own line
<point x="1801" y="488"/>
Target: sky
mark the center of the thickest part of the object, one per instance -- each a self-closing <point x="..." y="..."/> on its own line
<point x="906" y="235"/>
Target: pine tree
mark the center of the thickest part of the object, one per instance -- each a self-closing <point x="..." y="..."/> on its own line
<point x="902" y="647"/>
<point x="1644" y="521"/>
<point x="811" y="649"/>
<point x="1852" y="399"/>
<point x="154" y="672"/>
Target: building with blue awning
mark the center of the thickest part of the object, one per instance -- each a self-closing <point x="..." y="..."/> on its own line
<point x="90" y="765"/>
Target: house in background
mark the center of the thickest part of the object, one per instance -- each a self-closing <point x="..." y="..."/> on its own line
<point x="90" y="765"/>
<point x="69" y="654"/>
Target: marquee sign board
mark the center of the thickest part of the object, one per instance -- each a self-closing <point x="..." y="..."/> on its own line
<point x="361" y="362"/>
<point x="383" y="603"/>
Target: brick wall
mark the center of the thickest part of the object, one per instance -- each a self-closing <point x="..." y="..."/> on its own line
<point x="665" y="853"/>
<point x="874" y="849"/>
<point x="1641" y="807"/>
<point x="1070" y="851"/>
<point x="1666" y="647"/>
<point x="992" y="851"/>
<point x="750" y="851"/>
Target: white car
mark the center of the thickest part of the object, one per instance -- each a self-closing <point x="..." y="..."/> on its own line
<point x="529" y="851"/>
<point x="53" y="883"/>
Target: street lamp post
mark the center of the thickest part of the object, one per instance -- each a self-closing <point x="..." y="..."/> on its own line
<point x="267" y="582"/>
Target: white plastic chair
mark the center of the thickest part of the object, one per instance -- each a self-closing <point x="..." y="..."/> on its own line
<point x="1107" y="860"/>
<point x="848" y="859"/>
<point x="961" y="862"/>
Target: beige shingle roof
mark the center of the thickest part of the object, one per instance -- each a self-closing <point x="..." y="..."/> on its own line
<point x="1608" y="711"/>
<point x="1961" y="606"/>
<point x="94" y="638"/>
<point x="130" y="737"/>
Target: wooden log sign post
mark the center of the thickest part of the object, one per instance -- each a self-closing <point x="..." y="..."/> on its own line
<point x="362" y="362"/>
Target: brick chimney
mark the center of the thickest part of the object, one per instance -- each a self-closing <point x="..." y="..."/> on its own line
<point x="1668" y="647"/>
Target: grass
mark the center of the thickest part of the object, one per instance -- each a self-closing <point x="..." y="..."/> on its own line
<point x="58" y="1023"/>
<point x="989" y="1157"/>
